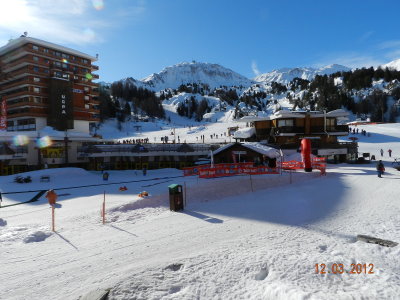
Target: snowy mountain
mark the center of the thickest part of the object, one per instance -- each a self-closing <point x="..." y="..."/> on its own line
<point x="285" y="75"/>
<point x="395" y="65"/>
<point x="213" y="75"/>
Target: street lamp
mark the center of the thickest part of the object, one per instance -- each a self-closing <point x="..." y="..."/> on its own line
<point x="39" y="151"/>
<point x="66" y="148"/>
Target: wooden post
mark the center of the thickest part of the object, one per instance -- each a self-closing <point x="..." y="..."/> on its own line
<point x="104" y="208"/>
<point x="251" y="183"/>
<point x="185" y="192"/>
<point x="52" y="218"/>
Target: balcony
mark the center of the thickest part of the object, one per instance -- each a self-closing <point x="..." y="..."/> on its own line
<point x="288" y="129"/>
<point x="94" y="68"/>
<point x="336" y="128"/>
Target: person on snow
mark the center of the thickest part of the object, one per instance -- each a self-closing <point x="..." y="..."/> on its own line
<point x="380" y="168"/>
<point x="390" y="152"/>
<point x="381" y="152"/>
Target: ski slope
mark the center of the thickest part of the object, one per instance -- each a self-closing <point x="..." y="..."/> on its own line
<point x="236" y="239"/>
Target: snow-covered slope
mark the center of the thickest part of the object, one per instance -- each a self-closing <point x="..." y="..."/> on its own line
<point x="236" y="238"/>
<point x="395" y="65"/>
<point x="213" y="75"/>
<point x="286" y="75"/>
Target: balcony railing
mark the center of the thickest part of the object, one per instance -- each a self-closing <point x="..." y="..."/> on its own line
<point x="336" y="128"/>
<point x="288" y="129"/>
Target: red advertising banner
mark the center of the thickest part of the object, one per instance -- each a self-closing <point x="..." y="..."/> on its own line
<point x="3" y="115"/>
<point x="221" y="170"/>
<point x="236" y="169"/>
<point x="318" y="163"/>
<point x="196" y="170"/>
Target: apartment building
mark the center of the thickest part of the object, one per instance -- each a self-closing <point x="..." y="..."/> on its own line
<point x="46" y="84"/>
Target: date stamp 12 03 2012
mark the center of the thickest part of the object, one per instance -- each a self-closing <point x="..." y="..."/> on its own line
<point x="341" y="269"/>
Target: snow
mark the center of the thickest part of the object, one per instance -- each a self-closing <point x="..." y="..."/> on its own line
<point x="285" y="75"/>
<point x="244" y="133"/>
<point x="236" y="238"/>
<point x="395" y="65"/>
<point x="213" y="75"/>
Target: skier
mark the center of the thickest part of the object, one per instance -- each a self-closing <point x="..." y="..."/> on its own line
<point x="105" y="176"/>
<point x="380" y="168"/>
<point x="382" y="152"/>
<point x="390" y="152"/>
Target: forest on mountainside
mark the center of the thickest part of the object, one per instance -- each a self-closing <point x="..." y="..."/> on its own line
<point x="365" y="92"/>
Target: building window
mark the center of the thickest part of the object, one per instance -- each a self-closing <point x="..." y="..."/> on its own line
<point x="330" y="122"/>
<point x="35" y="58"/>
<point x="86" y="97"/>
<point x="36" y="79"/>
<point x="86" y="89"/>
<point x="46" y="71"/>
<point x="36" y="69"/>
<point x="65" y="66"/>
<point x="45" y="50"/>
<point x="37" y="100"/>
<point x="35" y="47"/>
<point x="285" y="123"/>
<point x="65" y="55"/>
<point x="36" y="89"/>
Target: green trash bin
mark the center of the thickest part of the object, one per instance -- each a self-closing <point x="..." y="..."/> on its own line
<point x="175" y="197"/>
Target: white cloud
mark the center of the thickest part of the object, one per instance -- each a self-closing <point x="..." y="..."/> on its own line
<point x="389" y="44"/>
<point x="60" y="21"/>
<point x="255" y="68"/>
<point x="366" y="36"/>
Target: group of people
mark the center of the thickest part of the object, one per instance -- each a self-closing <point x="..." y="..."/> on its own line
<point x="135" y="141"/>
<point x="356" y="131"/>
<point x="389" y="151"/>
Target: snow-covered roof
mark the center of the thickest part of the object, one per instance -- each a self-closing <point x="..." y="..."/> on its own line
<point x="337" y="113"/>
<point x="50" y="132"/>
<point x="244" y="133"/>
<point x="24" y="40"/>
<point x="253" y="118"/>
<point x="257" y="147"/>
<point x="296" y="114"/>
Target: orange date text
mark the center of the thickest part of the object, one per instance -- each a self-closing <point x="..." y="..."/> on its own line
<point x="341" y="269"/>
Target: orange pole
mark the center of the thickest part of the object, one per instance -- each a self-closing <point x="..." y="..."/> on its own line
<point x="104" y="207"/>
<point x="52" y="218"/>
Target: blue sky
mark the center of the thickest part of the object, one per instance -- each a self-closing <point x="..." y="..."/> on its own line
<point x="135" y="38"/>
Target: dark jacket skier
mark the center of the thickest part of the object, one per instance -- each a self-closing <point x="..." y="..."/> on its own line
<point x="380" y="168"/>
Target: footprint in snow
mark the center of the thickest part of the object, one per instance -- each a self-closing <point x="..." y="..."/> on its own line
<point x="174" y="267"/>
<point x="263" y="273"/>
